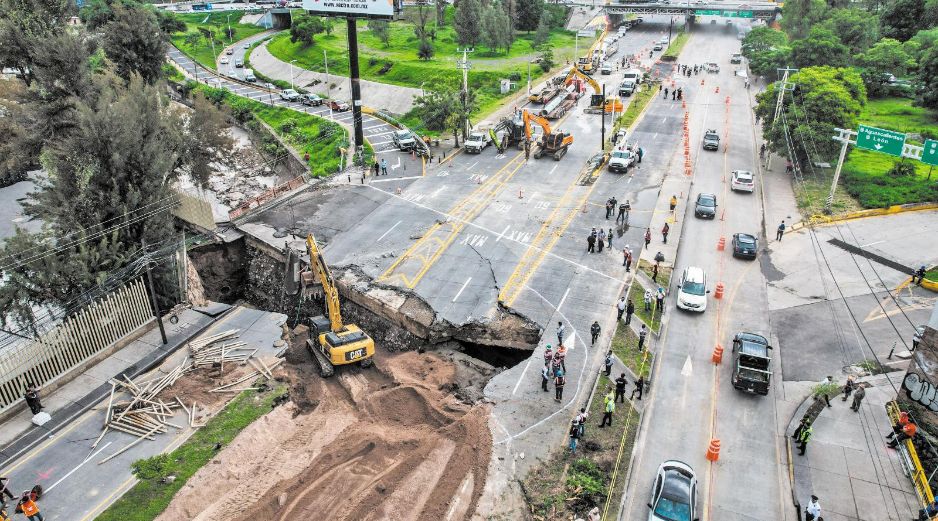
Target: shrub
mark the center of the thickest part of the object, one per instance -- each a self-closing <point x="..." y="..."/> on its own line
<point x="288" y="126"/>
<point x="386" y="67"/>
<point x="372" y="61"/>
<point x="902" y="168"/>
<point x="515" y="76"/>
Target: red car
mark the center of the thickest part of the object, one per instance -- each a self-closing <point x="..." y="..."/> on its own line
<point x="338" y="106"/>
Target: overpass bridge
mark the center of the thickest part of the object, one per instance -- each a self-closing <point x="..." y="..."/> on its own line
<point x="697" y="8"/>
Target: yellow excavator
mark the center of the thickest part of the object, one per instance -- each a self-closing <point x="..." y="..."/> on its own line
<point x="331" y="342"/>
<point x="551" y="143"/>
<point x="597" y="103"/>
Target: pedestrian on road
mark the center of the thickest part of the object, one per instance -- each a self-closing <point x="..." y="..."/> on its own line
<point x="609" y="239"/>
<point x="920" y="273"/>
<point x="608" y="363"/>
<point x="858" y="398"/>
<point x="665" y="93"/>
<point x="624" y="209"/>
<point x="647" y="237"/>
<point x="801" y="426"/>
<point x="762" y="151"/>
<point x="561" y="355"/>
<point x="621" y="382"/>
<point x="545" y="377"/>
<point x="574" y="435"/>
<point x="639" y="388"/>
<point x="849" y="387"/>
<point x="654" y="272"/>
<point x="928" y="512"/>
<point x="908" y="432"/>
<point x="813" y="510"/>
<point x="609" y="206"/>
<point x="680" y="93"/>
<point x="659" y="87"/>
<point x="803" y="438"/>
<point x="376" y="168"/>
<point x="620" y="306"/>
<point x="673" y="203"/>
<point x="548" y="355"/>
<point x="556" y="365"/>
<point x="664" y="232"/>
<point x="897" y="427"/>
<point x="781" y="231"/>
<point x="561" y="329"/>
<point x="5" y="490"/>
<point x="659" y="258"/>
<point x="384" y="166"/>
<point x="659" y="300"/>
<point x="673" y="95"/>
<point x="601" y="239"/>
<point x="594" y="331"/>
<point x="590" y="243"/>
<point x="609" y="405"/>
<point x="647" y="299"/>
<point x="627" y="261"/>
<point x="581" y="420"/>
<point x="629" y="309"/>
<point x="559" y="381"/>
<point x="32" y="398"/>
<point x="642" y="333"/>
<point x="640" y="152"/>
<point x="27" y="505"/>
<point x="625" y="255"/>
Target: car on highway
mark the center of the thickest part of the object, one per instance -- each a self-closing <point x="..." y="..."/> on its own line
<point x="312" y="100"/>
<point x="605" y="70"/>
<point x="674" y="493"/>
<point x="239" y="63"/>
<point x="713" y="67"/>
<point x="339" y="106"/>
<point x="246" y="46"/>
<point x="477" y="142"/>
<point x="269" y="85"/>
<point x="742" y="181"/>
<point x="751" y="362"/>
<point x="632" y="75"/>
<point x="737" y="58"/>
<point x="621" y="161"/>
<point x="289" y="95"/>
<point x="706" y="206"/>
<point x="627" y="88"/>
<point x="223" y="60"/>
<point x="745" y="245"/>
<point x="711" y="140"/>
<point x="249" y="76"/>
<point x="230" y="51"/>
<point x="692" y="290"/>
<point x="658" y="46"/>
<point x="404" y="139"/>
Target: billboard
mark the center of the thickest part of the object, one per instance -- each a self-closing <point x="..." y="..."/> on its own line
<point x="353" y="8"/>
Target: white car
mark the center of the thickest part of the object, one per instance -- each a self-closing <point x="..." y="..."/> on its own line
<point x="742" y="181"/>
<point x="289" y="95"/>
<point x="674" y="493"/>
<point x="692" y="290"/>
<point x="223" y="60"/>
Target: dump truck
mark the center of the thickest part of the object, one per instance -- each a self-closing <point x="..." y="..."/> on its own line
<point x="751" y="363"/>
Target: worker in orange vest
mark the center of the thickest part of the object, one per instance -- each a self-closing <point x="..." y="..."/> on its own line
<point x="27" y="505"/>
<point x="908" y="432"/>
<point x="4" y="516"/>
<point x="897" y="427"/>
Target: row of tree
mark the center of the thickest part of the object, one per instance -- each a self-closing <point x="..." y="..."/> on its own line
<point x="91" y="110"/>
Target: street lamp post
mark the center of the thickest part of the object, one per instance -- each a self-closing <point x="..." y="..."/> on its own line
<point x="228" y="18"/>
<point x="465" y="66"/>
<point x="292" y="86"/>
<point x="325" y="60"/>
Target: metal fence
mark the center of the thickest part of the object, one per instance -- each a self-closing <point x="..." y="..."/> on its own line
<point x="73" y="342"/>
<point x="912" y="463"/>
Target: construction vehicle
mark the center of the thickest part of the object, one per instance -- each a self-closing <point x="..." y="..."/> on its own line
<point x="549" y="92"/>
<point x="331" y="341"/>
<point x="597" y="103"/>
<point x="511" y="130"/>
<point x="551" y="143"/>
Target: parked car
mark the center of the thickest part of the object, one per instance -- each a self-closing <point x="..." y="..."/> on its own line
<point x="223" y="60"/>
<point x="605" y="70"/>
<point x="751" y="363"/>
<point x="339" y="106"/>
<point x="737" y="58"/>
<point x="289" y="95"/>
<point x="706" y="206"/>
<point x="674" y="493"/>
<point x="477" y="142"/>
<point x="404" y="139"/>
<point x="745" y="245"/>
<point x="312" y="100"/>
<point x="711" y="140"/>
<point x="692" y="290"/>
<point x="239" y="63"/>
<point x="621" y="161"/>
<point x="627" y="88"/>
<point x="742" y="181"/>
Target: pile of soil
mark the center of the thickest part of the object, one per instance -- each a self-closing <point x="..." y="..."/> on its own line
<point x="389" y="442"/>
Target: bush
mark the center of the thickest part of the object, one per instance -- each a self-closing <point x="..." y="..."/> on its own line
<point x="902" y="168"/>
<point x="288" y="126"/>
<point x="515" y="76"/>
<point x="372" y="61"/>
<point x="386" y="67"/>
<point x="587" y="482"/>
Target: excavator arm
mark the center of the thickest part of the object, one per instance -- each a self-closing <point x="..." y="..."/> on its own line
<point x="328" y="285"/>
<point x="576" y="72"/>
<point x="528" y="118"/>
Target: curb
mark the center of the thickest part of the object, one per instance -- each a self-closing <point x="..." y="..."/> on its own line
<point x="821" y="220"/>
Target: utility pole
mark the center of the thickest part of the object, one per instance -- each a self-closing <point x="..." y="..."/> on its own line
<point x="602" y="125"/>
<point x="155" y="307"/>
<point x="465" y="66"/>
<point x="844" y="139"/>
<point x="228" y="18"/>
<point x="356" y="86"/>
<point x="325" y="60"/>
<point x="782" y="88"/>
<point x="292" y="86"/>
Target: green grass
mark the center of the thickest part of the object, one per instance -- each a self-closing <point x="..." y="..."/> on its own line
<point x="677" y="45"/>
<point x="149" y="497"/>
<point x="811" y="196"/>
<point x="664" y="272"/>
<point x="865" y="174"/>
<point x="625" y="346"/>
<point x="217" y="22"/>
<point x="932" y="274"/>
<point x="651" y="318"/>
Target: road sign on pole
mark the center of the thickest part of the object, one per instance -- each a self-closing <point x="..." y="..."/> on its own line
<point x="880" y="140"/>
<point x="930" y="152"/>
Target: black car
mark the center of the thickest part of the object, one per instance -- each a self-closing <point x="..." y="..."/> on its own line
<point x="311" y="99"/>
<point x="706" y="206"/>
<point x="711" y="140"/>
<point x="745" y="245"/>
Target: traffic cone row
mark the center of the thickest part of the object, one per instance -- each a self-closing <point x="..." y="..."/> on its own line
<point x="688" y="167"/>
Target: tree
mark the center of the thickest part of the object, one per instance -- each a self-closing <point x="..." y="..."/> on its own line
<point x="821" y="47"/>
<point x="328" y="25"/>
<point x="134" y="42"/>
<point x="419" y="15"/>
<point x="542" y="35"/>
<point x="799" y="16"/>
<point x="496" y="28"/>
<point x="381" y="29"/>
<point x="17" y="153"/>
<point x="547" y="58"/>
<point x="927" y="78"/>
<point x="823" y="98"/>
<point x="425" y="50"/>
<point x="441" y="13"/>
<point x="903" y="18"/>
<point x="23" y="23"/>
<point x="856" y="28"/>
<point x="169" y="22"/>
<point x="305" y="28"/>
<point x="528" y="14"/>
<point x="767" y="50"/>
<point x="467" y="23"/>
<point x="888" y="56"/>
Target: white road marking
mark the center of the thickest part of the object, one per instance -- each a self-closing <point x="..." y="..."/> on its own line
<point x="472" y="165"/>
<point x="389" y="231"/>
<point x="398" y="165"/>
<point x="518" y="384"/>
<point x="458" y="293"/>
<point x="563" y="299"/>
<point x="655" y="136"/>
<point x="386" y="151"/>
<point x="381" y="143"/>
<point x="503" y="233"/>
<point x="686" y="370"/>
<point x="552" y="170"/>
<point x="90" y="456"/>
<point x="870" y="244"/>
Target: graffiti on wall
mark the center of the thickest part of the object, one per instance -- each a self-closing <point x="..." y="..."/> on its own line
<point x="921" y="391"/>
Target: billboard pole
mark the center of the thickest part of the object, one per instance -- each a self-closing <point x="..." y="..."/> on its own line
<point x="356" y="88"/>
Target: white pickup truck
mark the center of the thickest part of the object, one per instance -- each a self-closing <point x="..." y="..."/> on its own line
<point x="621" y="160"/>
<point x="477" y="141"/>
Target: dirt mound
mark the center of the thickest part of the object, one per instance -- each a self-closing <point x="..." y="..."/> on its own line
<point x="384" y="443"/>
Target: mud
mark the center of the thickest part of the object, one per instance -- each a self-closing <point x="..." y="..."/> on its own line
<point x="390" y="442"/>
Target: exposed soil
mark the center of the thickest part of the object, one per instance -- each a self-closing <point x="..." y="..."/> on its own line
<point x="398" y="441"/>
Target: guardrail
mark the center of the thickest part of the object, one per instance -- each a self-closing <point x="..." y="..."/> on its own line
<point x="912" y="462"/>
<point x="266" y="197"/>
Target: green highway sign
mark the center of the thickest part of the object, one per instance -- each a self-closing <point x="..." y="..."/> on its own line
<point x="930" y="152"/>
<point x="880" y="140"/>
<point x="720" y="12"/>
<point x="707" y="12"/>
<point x="737" y="14"/>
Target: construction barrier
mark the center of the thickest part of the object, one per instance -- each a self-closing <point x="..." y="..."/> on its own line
<point x="713" y="451"/>
<point x="721" y="244"/>
<point x="718" y="292"/>
<point x="717" y="354"/>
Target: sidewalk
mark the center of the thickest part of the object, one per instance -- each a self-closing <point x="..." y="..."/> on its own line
<point x="847" y="464"/>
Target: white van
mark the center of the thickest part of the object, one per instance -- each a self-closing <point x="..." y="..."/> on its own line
<point x="249" y="76"/>
<point x="633" y="75"/>
<point x="692" y="290"/>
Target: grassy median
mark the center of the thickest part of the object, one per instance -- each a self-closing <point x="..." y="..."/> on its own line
<point x="625" y="347"/>
<point x="150" y="496"/>
<point x="639" y="101"/>
<point x="651" y="318"/>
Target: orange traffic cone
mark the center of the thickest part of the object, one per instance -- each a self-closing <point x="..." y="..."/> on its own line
<point x="717" y="354"/>
<point x="713" y="451"/>
<point x="721" y="244"/>
<point x="718" y="292"/>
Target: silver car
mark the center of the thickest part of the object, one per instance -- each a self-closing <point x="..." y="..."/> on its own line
<point x="674" y="494"/>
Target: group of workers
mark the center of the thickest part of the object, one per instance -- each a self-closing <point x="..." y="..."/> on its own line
<point x="27" y="504"/>
<point x="555" y="368"/>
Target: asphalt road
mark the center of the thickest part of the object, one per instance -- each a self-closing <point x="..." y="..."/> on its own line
<point x="692" y="401"/>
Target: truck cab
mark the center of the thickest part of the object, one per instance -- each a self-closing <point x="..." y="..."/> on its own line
<point x="477" y="141"/>
<point x="752" y="359"/>
<point x="627" y="88"/>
